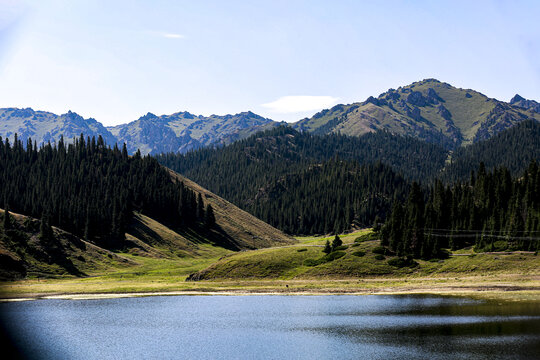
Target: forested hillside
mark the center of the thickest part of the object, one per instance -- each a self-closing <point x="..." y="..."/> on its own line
<point x="91" y="191"/>
<point x="492" y="211"/>
<point x="282" y="176"/>
<point x="331" y="197"/>
<point x="513" y="149"/>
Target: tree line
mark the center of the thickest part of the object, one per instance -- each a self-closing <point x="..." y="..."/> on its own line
<point x="491" y="211"/>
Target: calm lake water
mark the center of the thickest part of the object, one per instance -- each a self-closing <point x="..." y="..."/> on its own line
<point x="274" y="327"/>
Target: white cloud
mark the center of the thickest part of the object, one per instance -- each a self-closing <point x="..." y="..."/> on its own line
<point x="164" y="34"/>
<point x="296" y="104"/>
<point x="172" y="36"/>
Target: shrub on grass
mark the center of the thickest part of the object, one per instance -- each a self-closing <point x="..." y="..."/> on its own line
<point x="327" y="258"/>
<point x="301" y="250"/>
<point x="366" y="237"/>
<point x="334" y="255"/>
<point x="500" y="245"/>
<point x="313" y="262"/>
<point x="379" y="257"/>
<point x="381" y="250"/>
<point x="359" y="253"/>
<point x="342" y="247"/>
<point x="401" y="262"/>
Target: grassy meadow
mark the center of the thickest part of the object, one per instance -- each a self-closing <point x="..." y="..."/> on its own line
<point x="360" y="269"/>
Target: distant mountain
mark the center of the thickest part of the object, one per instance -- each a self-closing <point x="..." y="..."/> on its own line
<point x="153" y="134"/>
<point x="45" y="127"/>
<point x="430" y="110"/>
<point x="183" y="131"/>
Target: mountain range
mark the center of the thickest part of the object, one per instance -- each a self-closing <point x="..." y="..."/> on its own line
<point x="151" y="134"/>
<point x="430" y="110"/>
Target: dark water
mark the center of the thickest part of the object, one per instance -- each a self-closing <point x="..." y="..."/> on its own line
<point x="274" y="327"/>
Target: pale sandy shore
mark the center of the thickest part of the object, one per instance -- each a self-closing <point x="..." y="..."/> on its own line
<point x="481" y="293"/>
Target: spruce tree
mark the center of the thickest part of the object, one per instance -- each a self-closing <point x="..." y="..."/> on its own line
<point x="210" y="219"/>
<point x="200" y="207"/>
<point x="7" y="218"/>
<point x="327" y="248"/>
<point x="336" y="242"/>
<point x="45" y="230"/>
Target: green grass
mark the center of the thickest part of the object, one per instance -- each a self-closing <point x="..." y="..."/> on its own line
<point x="365" y="259"/>
<point x="283" y="270"/>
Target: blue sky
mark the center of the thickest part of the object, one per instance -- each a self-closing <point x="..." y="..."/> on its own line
<point x="117" y="60"/>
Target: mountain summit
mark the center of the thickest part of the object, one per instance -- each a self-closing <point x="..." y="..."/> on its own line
<point x="430" y="110"/>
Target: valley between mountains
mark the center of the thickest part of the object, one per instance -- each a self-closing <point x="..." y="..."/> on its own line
<point x="426" y="188"/>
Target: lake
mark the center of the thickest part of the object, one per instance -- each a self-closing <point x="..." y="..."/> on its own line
<point x="274" y="327"/>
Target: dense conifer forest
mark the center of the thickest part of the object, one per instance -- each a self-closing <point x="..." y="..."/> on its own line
<point x="513" y="149"/>
<point x="92" y="190"/>
<point x="330" y="197"/>
<point x="491" y="211"/>
<point x="285" y="177"/>
<point x="245" y="171"/>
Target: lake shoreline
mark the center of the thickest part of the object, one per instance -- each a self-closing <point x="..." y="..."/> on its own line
<point x="500" y="293"/>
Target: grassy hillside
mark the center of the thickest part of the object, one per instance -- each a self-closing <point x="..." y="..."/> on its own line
<point x="282" y="270"/>
<point x="241" y="229"/>
<point x="360" y="258"/>
<point x="152" y="249"/>
<point x="149" y="245"/>
<point x="25" y="254"/>
<point x="430" y="110"/>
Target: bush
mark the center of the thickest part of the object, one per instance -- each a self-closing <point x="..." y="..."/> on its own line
<point x="342" y="247"/>
<point x="334" y="255"/>
<point x="314" y="262"/>
<point x="367" y="237"/>
<point x="381" y="250"/>
<point x="327" y="258"/>
<point x="500" y="245"/>
<point x="359" y="253"/>
<point x="379" y="257"/>
<point x="355" y="245"/>
<point x="402" y="262"/>
<point x="301" y="250"/>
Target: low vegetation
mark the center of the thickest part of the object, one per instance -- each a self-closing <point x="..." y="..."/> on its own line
<point x="367" y="259"/>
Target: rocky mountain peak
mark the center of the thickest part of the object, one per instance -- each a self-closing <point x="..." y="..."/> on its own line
<point x="516" y="98"/>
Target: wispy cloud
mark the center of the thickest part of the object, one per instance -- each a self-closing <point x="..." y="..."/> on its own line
<point x="165" y="34"/>
<point x="296" y="104"/>
<point x="173" y="36"/>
